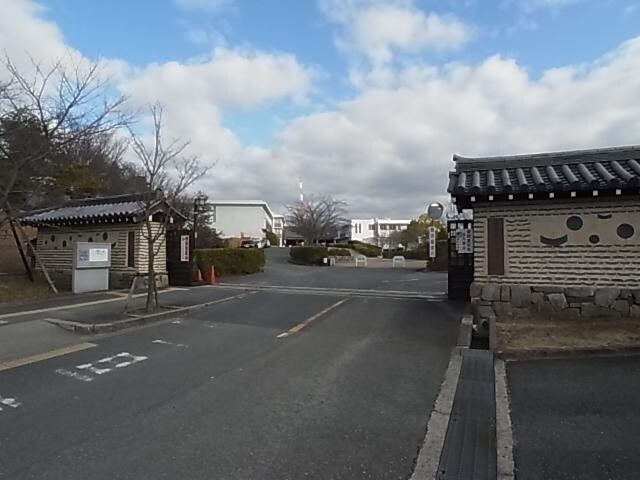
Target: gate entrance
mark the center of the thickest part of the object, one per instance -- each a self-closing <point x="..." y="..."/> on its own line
<point x="460" y="234"/>
<point x="180" y="245"/>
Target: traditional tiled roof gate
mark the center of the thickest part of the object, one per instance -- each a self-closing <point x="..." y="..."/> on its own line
<point x="613" y="171"/>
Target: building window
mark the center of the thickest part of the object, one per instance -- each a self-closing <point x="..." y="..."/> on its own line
<point x="371" y="227"/>
<point x="495" y="246"/>
<point x="212" y="214"/>
<point x="131" y="250"/>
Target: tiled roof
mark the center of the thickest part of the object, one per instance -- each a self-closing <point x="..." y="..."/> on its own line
<point x="118" y="207"/>
<point x="601" y="169"/>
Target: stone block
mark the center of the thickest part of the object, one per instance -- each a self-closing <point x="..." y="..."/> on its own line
<point x="549" y="289"/>
<point x="590" y="310"/>
<point x="606" y="296"/>
<point x="475" y="289"/>
<point x="505" y="293"/>
<point x="545" y="309"/>
<point x="558" y="301"/>
<point x="519" y="312"/>
<point x="621" y="306"/>
<point x="571" y="314"/>
<point x="580" y="291"/>
<point x="503" y="309"/>
<point x="537" y="297"/>
<point x="634" y="311"/>
<point x="574" y="305"/>
<point x="636" y="295"/>
<point x="484" y="303"/>
<point x="579" y="299"/>
<point x="625" y="293"/>
<point x="491" y="292"/>
<point x="485" y="312"/>
<point x="520" y="295"/>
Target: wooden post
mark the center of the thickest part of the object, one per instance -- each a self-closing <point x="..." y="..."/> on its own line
<point x="22" y="254"/>
<point x="38" y="259"/>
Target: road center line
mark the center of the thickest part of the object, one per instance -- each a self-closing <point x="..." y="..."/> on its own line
<point x="45" y="356"/>
<point x="300" y="326"/>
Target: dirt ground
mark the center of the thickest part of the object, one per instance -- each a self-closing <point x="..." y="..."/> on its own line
<point x="17" y="288"/>
<point x="539" y="334"/>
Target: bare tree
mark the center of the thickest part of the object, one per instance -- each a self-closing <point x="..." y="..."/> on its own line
<point x="42" y="113"/>
<point x="316" y="219"/>
<point x="168" y="172"/>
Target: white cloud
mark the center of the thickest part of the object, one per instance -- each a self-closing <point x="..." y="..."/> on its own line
<point x="380" y="29"/>
<point x="388" y="149"/>
<point x="210" y="5"/>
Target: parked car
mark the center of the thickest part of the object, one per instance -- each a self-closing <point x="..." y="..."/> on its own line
<point x="255" y="244"/>
<point x="248" y="244"/>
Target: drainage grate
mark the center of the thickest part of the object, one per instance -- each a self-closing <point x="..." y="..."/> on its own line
<point x="469" y="451"/>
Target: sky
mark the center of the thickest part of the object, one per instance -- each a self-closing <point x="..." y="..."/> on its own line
<point x="363" y="100"/>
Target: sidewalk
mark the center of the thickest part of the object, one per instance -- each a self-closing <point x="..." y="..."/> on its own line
<point x="31" y="328"/>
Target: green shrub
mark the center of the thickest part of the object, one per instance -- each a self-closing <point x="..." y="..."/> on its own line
<point x="308" y="255"/>
<point x="366" y="249"/>
<point x="230" y="261"/>
<point x="274" y="240"/>
<point x="339" y="252"/>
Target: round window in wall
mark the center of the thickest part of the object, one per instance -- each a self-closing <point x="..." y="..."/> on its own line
<point x="53" y="238"/>
<point x="574" y="223"/>
<point x="105" y="236"/>
<point x="70" y="238"/>
<point x="90" y="239"/>
<point x="625" y="231"/>
<point x="64" y="244"/>
<point x="594" y="239"/>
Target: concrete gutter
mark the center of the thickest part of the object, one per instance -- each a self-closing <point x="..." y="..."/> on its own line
<point x="137" y="320"/>
<point x="431" y="450"/>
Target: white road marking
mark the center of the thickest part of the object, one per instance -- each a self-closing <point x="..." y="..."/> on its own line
<point x="75" y="375"/>
<point x="9" y="402"/>
<point x="164" y="342"/>
<point x="283" y="334"/>
<point x="3" y="322"/>
<point x="102" y="366"/>
<point x="177" y="322"/>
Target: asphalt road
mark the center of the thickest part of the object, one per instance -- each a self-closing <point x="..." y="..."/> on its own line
<point x="576" y="418"/>
<point x="223" y="394"/>
<point x="279" y="272"/>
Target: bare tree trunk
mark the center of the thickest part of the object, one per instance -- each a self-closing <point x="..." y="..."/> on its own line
<point x="152" y="303"/>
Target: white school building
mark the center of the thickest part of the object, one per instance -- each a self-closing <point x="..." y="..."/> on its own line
<point x="376" y="231"/>
<point x="244" y="219"/>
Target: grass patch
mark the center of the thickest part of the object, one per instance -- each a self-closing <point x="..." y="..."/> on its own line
<point x="18" y="288"/>
<point x="536" y="334"/>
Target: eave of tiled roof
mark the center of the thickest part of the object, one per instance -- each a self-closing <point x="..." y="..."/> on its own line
<point x="608" y="169"/>
<point x="114" y="209"/>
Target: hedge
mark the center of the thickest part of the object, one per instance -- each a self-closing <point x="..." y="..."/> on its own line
<point x="366" y="249"/>
<point x="274" y="240"/>
<point x="339" y="252"/>
<point x="230" y="261"/>
<point x="308" y="255"/>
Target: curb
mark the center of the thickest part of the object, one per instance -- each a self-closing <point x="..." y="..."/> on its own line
<point x="504" y="431"/>
<point x="135" y="321"/>
<point x="428" y="460"/>
<point x="541" y="354"/>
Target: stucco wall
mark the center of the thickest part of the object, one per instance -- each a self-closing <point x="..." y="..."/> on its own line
<point x="595" y="243"/>
<point x="241" y="220"/>
<point x="55" y="246"/>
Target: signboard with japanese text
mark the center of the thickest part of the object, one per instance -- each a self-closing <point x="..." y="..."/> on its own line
<point x="184" y="248"/>
<point x="432" y="242"/>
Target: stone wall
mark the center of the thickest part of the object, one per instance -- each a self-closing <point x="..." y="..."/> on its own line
<point x="522" y="301"/>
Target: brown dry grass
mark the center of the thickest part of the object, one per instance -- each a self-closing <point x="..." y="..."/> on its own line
<point x="18" y="288"/>
<point x="538" y="334"/>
